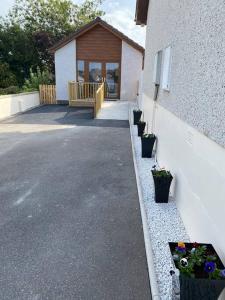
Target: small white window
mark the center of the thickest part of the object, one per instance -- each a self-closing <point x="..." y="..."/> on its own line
<point x="166" y="68"/>
<point x="157" y="67"/>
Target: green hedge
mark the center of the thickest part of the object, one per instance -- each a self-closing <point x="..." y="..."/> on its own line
<point x="9" y="90"/>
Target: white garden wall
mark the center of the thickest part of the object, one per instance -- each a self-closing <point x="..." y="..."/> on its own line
<point x="13" y="104"/>
<point x="65" y="69"/>
<point x="198" y="166"/>
<point x="131" y="69"/>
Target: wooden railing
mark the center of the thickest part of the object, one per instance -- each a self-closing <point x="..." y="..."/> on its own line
<point x="99" y="98"/>
<point x="86" y="94"/>
<point x="82" y="90"/>
<point x="47" y="94"/>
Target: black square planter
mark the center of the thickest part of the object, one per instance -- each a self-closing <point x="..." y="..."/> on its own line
<point x="147" y="144"/>
<point x="162" y="187"/>
<point x="137" y="116"/>
<point x="199" y="287"/>
<point x="141" y="128"/>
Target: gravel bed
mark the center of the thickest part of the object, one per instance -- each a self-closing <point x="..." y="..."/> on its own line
<point x="164" y="221"/>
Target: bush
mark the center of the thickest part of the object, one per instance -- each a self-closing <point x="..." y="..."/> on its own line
<point x="40" y="77"/>
<point x="9" y="90"/>
<point x="7" y="78"/>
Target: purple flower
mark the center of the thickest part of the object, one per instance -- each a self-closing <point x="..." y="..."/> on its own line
<point x="181" y="249"/>
<point x="222" y="273"/>
<point x="210" y="267"/>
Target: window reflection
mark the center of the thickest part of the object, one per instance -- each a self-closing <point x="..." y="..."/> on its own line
<point x="95" y="72"/>
<point x="112" y="80"/>
<point x="80" y="70"/>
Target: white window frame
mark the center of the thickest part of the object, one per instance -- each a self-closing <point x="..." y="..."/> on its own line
<point x="157" y="67"/>
<point x="166" y="72"/>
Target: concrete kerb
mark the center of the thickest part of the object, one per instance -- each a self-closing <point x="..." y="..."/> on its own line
<point x="148" y="247"/>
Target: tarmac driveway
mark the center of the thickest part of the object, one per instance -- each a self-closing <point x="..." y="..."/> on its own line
<point x="70" y="225"/>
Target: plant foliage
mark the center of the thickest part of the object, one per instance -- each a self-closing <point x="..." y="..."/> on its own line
<point x="37" y="78"/>
<point x="160" y="172"/>
<point x="32" y="26"/>
<point x="7" y="78"/>
<point x="198" y="261"/>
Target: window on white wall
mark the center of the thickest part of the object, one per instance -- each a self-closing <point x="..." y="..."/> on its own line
<point x="157" y="67"/>
<point x="166" y="68"/>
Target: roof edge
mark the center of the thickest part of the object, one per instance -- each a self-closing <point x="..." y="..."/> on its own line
<point x="98" y="21"/>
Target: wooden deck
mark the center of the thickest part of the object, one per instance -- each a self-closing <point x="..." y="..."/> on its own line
<point x="86" y="94"/>
<point x="82" y="102"/>
<point x="81" y="94"/>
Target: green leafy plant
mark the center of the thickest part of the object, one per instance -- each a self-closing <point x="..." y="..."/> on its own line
<point x="148" y="135"/>
<point x="197" y="261"/>
<point x="7" y="78"/>
<point x="31" y="27"/>
<point x="9" y="90"/>
<point x="37" y="78"/>
<point x="160" y="172"/>
<point x="57" y="17"/>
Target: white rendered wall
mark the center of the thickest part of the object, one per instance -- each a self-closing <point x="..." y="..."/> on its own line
<point x="65" y="69"/>
<point x="140" y="88"/>
<point x="13" y="104"/>
<point x="193" y="31"/>
<point x="198" y="166"/>
<point x="189" y="120"/>
<point x="131" y="68"/>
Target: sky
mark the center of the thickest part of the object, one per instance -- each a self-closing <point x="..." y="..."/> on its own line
<point x="119" y="13"/>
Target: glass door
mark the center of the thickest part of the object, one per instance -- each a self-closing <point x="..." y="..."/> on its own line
<point x="95" y="72"/>
<point x="80" y="71"/>
<point x="112" y="80"/>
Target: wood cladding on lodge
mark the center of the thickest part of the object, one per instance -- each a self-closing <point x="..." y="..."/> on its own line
<point x="99" y="44"/>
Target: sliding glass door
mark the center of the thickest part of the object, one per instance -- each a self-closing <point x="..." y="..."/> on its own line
<point x="112" y="80"/>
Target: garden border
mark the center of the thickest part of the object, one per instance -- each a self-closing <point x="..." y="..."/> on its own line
<point x="155" y="217"/>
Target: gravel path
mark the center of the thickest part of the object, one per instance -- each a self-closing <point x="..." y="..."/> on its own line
<point x="164" y="222"/>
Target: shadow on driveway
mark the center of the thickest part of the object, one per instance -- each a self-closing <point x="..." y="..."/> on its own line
<point x="64" y="115"/>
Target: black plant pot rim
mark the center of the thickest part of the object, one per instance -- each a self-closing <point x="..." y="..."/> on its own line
<point x="150" y="137"/>
<point x="167" y="176"/>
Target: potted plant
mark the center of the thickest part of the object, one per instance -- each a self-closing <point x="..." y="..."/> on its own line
<point x="200" y="272"/>
<point x="137" y="115"/>
<point x="147" y="143"/>
<point x="162" y="181"/>
<point x="141" y="127"/>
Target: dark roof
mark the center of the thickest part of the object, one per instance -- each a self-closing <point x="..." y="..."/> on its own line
<point x="89" y="26"/>
<point x="141" y="12"/>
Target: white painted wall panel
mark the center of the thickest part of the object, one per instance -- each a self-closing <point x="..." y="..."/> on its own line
<point x="131" y="69"/>
<point x="14" y="104"/>
<point x="198" y="166"/>
<point x="189" y="120"/>
<point x="65" y="69"/>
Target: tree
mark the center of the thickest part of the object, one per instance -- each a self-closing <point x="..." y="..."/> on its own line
<point x="57" y="17"/>
<point x="18" y="50"/>
<point x="35" y="79"/>
<point x="33" y="26"/>
<point x="7" y="78"/>
<point x="43" y="41"/>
